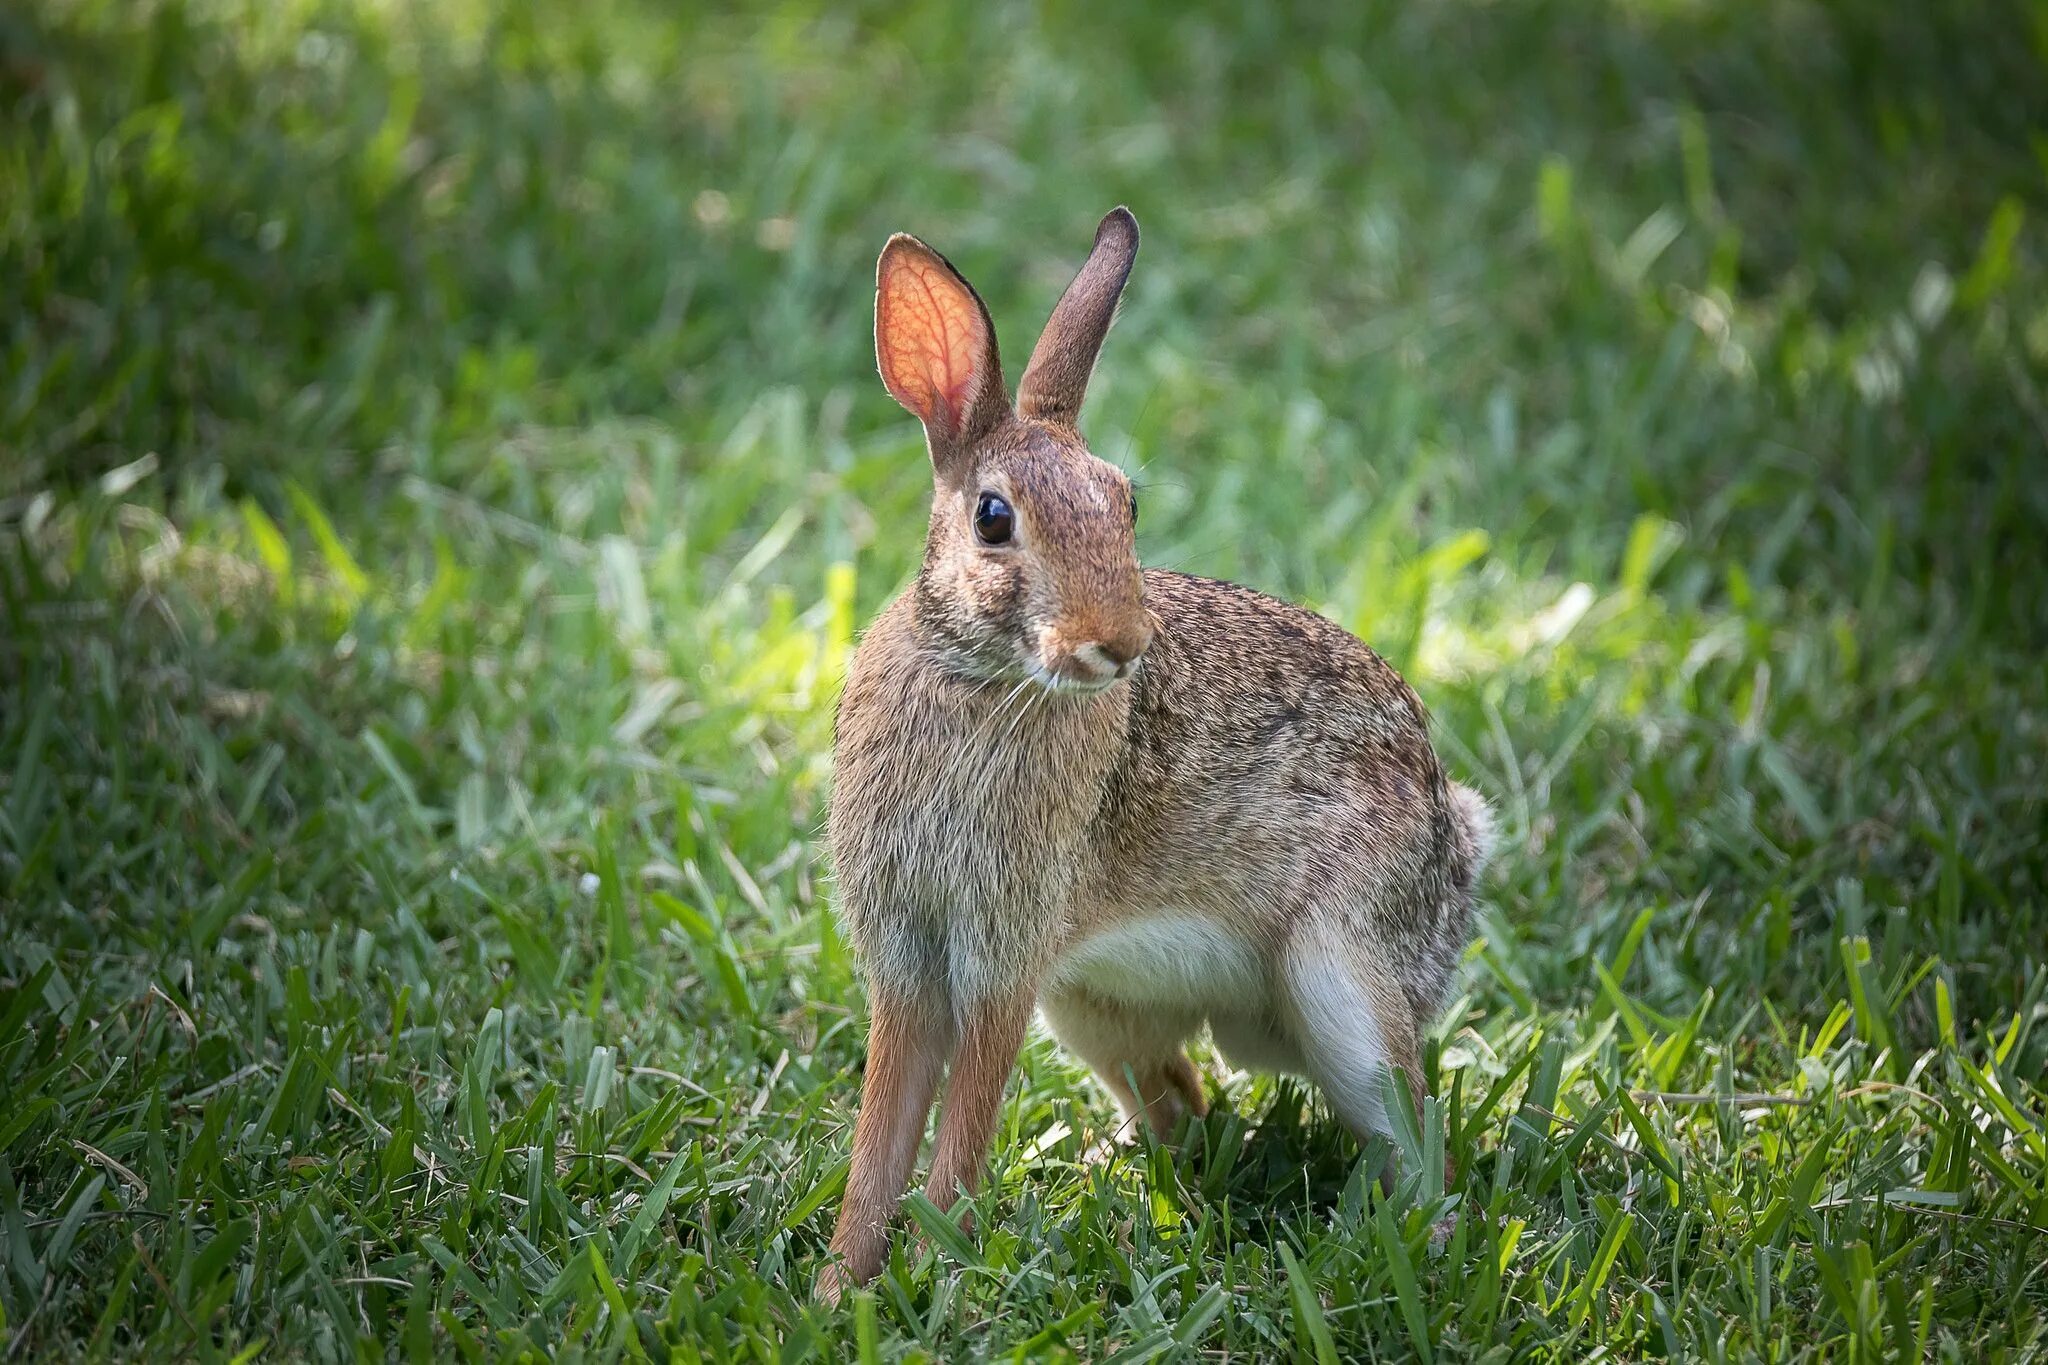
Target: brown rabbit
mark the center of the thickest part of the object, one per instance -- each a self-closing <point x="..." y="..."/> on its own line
<point x="1134" y="800"/>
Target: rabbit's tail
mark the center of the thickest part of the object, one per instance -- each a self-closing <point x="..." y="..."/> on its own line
<point x="1478" y="831"/>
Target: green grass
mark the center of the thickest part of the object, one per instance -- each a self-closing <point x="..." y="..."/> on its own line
<point x="442" y="471"/>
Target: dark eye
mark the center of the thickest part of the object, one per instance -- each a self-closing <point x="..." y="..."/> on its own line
<point x="1134" y="511"/>
<point x="993" y="520"/>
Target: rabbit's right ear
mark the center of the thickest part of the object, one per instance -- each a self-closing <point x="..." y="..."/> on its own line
<point x="936" y="349"/>
<point x="1056" y="379"/>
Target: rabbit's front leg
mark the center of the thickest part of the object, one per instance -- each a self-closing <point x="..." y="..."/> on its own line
<point x="991" y="1032"/>
<point x="907" y="1044"/>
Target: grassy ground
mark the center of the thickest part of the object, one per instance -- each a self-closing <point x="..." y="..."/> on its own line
<point x="442" y="469"/>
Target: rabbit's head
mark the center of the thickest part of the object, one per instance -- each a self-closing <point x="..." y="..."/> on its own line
<point x="1030" y="566"/>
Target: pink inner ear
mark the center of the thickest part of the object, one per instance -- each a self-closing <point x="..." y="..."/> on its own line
<point x="929" y="338"/>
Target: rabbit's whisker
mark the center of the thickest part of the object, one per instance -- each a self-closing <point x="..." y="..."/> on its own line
<point x="1022" y="712"/>
<point x="982" y="730"/>
<point x="1131" y="437"/>
<point x="1032" y="702"/>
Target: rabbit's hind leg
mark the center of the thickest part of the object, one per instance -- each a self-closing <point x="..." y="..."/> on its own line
<point x="1138" y="1053"/>
<point x="1353" y="1022"/>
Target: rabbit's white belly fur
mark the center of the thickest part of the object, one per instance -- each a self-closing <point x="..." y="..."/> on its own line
<point x="1184" y="962"/>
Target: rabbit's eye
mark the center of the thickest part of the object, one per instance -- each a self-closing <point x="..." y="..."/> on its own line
<point x="993" y="520"/>
<point x="1134" y="511"/>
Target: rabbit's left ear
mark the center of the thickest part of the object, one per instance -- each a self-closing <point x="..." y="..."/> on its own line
<point x="1056" y="380"/>
<point x="936" y="349"/>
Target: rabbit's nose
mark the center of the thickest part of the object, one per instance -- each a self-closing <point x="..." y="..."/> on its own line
<point x="1116" y="654"/>
<point x="1096" y="660"/>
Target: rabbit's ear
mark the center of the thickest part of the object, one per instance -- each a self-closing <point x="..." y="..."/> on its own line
<point x="936" y="348"/>
<point x="1056" y="380"/>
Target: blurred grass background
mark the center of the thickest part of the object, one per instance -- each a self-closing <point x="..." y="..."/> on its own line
<point x="442" y="471"/>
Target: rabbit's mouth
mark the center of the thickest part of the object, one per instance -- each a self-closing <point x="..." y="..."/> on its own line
<point x="1078" y="687"/>
<point x="1082" y="679"/>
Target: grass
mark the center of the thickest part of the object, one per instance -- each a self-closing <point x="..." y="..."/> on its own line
<point x="442" y="472"/>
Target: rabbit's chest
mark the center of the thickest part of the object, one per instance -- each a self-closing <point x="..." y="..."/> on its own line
<point x="958" y="904"/>
<point x="957" y="838"/>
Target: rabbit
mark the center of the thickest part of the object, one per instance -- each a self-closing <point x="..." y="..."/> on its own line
<point x="1135" y="801"/>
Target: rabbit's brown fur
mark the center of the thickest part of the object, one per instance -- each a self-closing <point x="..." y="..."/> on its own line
<point x="1138" y="801"/>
